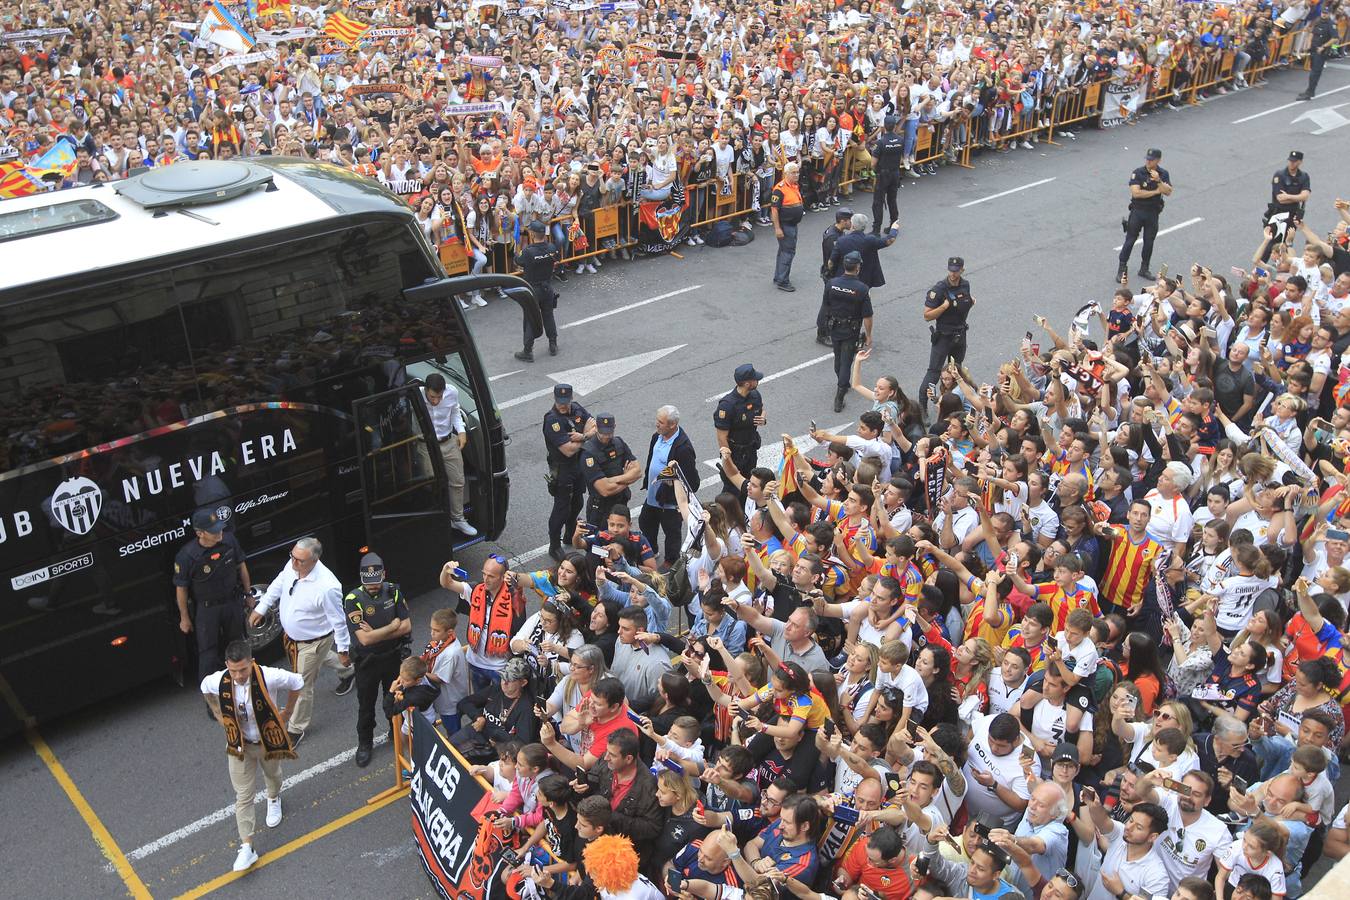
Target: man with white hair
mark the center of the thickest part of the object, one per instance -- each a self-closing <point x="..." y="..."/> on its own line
<point x="1042" y="831"/>
<point x="866" y="246"/>
<point x="669" y="446"/>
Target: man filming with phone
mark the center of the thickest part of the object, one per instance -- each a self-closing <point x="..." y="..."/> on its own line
<point x="1193" y="833"/>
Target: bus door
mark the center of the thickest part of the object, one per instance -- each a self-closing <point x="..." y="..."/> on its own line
<point x="406" y="494"/>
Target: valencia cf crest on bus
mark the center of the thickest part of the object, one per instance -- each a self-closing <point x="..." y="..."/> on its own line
<point x="76" y="504"/>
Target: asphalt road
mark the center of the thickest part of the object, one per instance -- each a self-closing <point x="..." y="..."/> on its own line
<point x="1036" y="228"/>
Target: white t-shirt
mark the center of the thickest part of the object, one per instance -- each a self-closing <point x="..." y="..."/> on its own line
<point x="1084" y="656"/>
<point x="1232" y="857"/>
<point x="1171" y="520"/>
<point x="452" y="668"/>
<point x="1007" y="771"/>
<point x="1141" y="749"/>
<point x="277" y="680"/>
<point x="1259" y="527"/>
<point x="911" y="685"/>
<point x="1002" y="698"/>
<point x="1044" y="521"/>
<point x="1146" y="876"/>
<point x="1050" y="722"/>
<point x="1237" y="595"/>
<point x="1186" y="850"/>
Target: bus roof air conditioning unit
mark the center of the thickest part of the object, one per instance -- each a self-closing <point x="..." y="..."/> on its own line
<point x="194" y="184"/>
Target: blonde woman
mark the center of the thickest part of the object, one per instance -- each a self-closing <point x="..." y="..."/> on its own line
<point x="856" y="683"/>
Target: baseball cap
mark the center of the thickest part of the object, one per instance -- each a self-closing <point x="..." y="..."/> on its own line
<point x="1296" y="154"/>
<point x="853" y="258"/>
<point x="1153" y="153"/>
<point x="516" y="669"/>
<point x="843" y="212"/>
<point x="955" y="264"/>
<point x="891" y="121"/>
<point x="1065" y="752"/>
<point x="747" y="372"/>
<point x="537" y="227"/>
<point x="207" y="520"/>
<point x="604" y="423"/>
<point x="372" y="569"/>
<point x="562" y="392"/>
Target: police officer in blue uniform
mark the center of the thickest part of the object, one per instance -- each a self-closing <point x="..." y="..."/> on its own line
<point x="536" y="262"/>
<point x="738" y="418"/>
<point x="381" y="631"/>
<point x="848" y="312"/>
<point x="1148" y="185"/>
<point x="1290" y="189"/>
<point x="210" y="580"/>
<point x="1325" y="37"/>
<point x="608" y="467"/>
<point x="566" y="427"/>
<point x="947" y="307"/>
<point x="888" y="153"/>
<point x="832" y="234"/>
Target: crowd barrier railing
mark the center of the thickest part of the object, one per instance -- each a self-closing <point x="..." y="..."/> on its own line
<point x="402" y="762"/>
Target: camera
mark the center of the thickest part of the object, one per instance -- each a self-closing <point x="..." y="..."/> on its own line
<point x="675" y="880"/>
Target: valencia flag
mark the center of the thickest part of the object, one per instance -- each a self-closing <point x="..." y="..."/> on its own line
<point x="344" y="29"/>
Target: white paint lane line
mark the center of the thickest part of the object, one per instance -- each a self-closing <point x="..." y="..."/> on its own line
<point x="776" y="375"/>
<point x="1276" y="109"/>
<point x="506" y="374"/>
<point x="619" y="309"/>
<point x="226" y="812"/>
<point x="1177" y="227"/>
<point x="1025" y="187"/>
<point x="526" y="398"/>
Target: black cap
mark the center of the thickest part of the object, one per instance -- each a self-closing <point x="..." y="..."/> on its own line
<point x="562" y="392"/>
<point x="1153" y="153"/>
<point x="843" y="212"/>
<point x="891" y="121"/>
<point x="372" y="569"/>
<point x="604" y="423"/>
<point x="746" y="372"/>
<point x="1065" y="752"/>
<point x="955" y="264"/>
<point x="208" y="520"/>
<point x="1296" y="154"/>
<point x="852" y="258"/>
<point x="538" y="227"/>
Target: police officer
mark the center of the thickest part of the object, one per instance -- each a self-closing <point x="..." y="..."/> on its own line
<point x="888" y="152"/>
<point x="848" y="312"/>
<point x="947" y="306"/>
<point x="536" y="262"/>
<point x="210" y="580"/>
<point x="566" y="426"/>
<point x="1148" y="185"/>
<point x="786" y="211"/>
<point x="1290" y="189"/>
<point x="1325" y="37"/>
<point x="832" y="234"/>
<point x="608" y="467"/>
<point x="381" y="631"/>
<point x="737" y="421"/>
<point x="866" y="246"/>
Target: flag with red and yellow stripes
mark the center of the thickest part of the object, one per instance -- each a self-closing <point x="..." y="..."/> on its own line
<point x="347" y="30"/>
<point x="16" y="181"/>
<point x="274" y="7"/>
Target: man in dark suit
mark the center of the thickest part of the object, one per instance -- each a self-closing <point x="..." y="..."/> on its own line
<point x="865" y="245"/>
<point x="669" y="445"/>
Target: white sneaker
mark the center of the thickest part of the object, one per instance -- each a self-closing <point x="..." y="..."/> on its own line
<point x="245" y="858"/>
<point x="1026" y="145"/>
<point x="581" y="268"/>
<point x="462" y="304"/>
<point x="477" y="299"/>
<point x="463" y="527"/>
<point x="595" y="261"/>
<point x="590" y="267"/>
<point x="273" y="812"/>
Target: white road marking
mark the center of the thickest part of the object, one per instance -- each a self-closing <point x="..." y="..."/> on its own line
<point x="1326" y="118"/>
<point x="592" y="377"/>
<point x="618" y="309"/>
<point x="506" y="374"/>
<point x="226" y="812"/>
<point x="1024" y="187"/>
<point x="776" y="375"/>
<point x="1287" y="105"/>
<point x="1177" y="227"/>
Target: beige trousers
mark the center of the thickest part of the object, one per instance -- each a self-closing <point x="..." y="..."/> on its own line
<point x="309" y="658"/>
<point x="454" y="472"/>
<point x="244" y="777"/>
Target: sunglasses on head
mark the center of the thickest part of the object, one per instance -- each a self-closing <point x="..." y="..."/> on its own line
<point x="1070" y="879"/>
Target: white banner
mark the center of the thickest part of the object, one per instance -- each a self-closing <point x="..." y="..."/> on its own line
<point x="1121" y="102"/>
<point x="279" y="35"/>
<point x="32" y="35"/>
<point x="388" y="33"/>
<point x="475" y="109"/>
<point x="241" y="59"/>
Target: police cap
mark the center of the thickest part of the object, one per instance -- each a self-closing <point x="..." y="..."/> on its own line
<point x="604" y="423"/>
<point x="746" y="372"/>
<point x="955" y="264"/>
<point x="843" y="212"/>
<point x="562" y="392"/>
<point x="372" y="569"/>
<point x="1153" y="153"/>
<point x="538" y="227"/>
<point x="891" y="121"/>
<point x="1296" y="154"/>
<point x="852" y="259"/>
<point x="207" y="520"/>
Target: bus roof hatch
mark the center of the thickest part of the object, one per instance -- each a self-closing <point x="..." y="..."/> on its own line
<point x="194" y="184"/>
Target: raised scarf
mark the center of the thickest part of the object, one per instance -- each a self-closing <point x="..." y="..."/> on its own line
<point x="276" y="742"/>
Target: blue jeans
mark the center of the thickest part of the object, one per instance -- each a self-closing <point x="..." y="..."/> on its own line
<point x="1275" y="753"/>
<point x="787" y="248"/>
<point x="911" y="136"/>
<point x="483" y="678"/>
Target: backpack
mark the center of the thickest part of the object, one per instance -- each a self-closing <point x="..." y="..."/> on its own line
<point x="1104" y="679"/>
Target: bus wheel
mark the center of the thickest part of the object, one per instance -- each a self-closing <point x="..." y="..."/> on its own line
<point x="266" y="637"/>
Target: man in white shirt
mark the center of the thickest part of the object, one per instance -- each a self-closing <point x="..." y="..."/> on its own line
<point x="452" y="433"/>
<point x="1132" y="865"/>
<point x="309" y="600"/>
<point x="248" y="747"/>
<point x="997" y="786"/>
<point x="1193" y="832"/>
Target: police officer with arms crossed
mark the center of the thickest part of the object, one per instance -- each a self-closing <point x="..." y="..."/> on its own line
<point x="848" y="312"/>
<point x="947" y="306"/>
<point x="827" y="240"/>
<point x="888" y="153"/>
<point x="1290" y="189"/>
<point x="210" y="573"/>
<point x="786" y="211"/>
<point x="380" y="627"/>
<point x="536" y="262"/>
<point x="452" y="433"/>
<point x="609" y="467"/>
<point x="566" y="426"/>
<point x="1148" y="185"/>
<point x="737" y="420"/>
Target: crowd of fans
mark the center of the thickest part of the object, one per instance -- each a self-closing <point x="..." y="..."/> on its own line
<point x="1080" y="632"/>
<point x="597" y="103"/>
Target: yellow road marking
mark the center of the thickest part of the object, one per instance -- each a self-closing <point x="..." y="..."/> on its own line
<point x="287" y="849"/>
